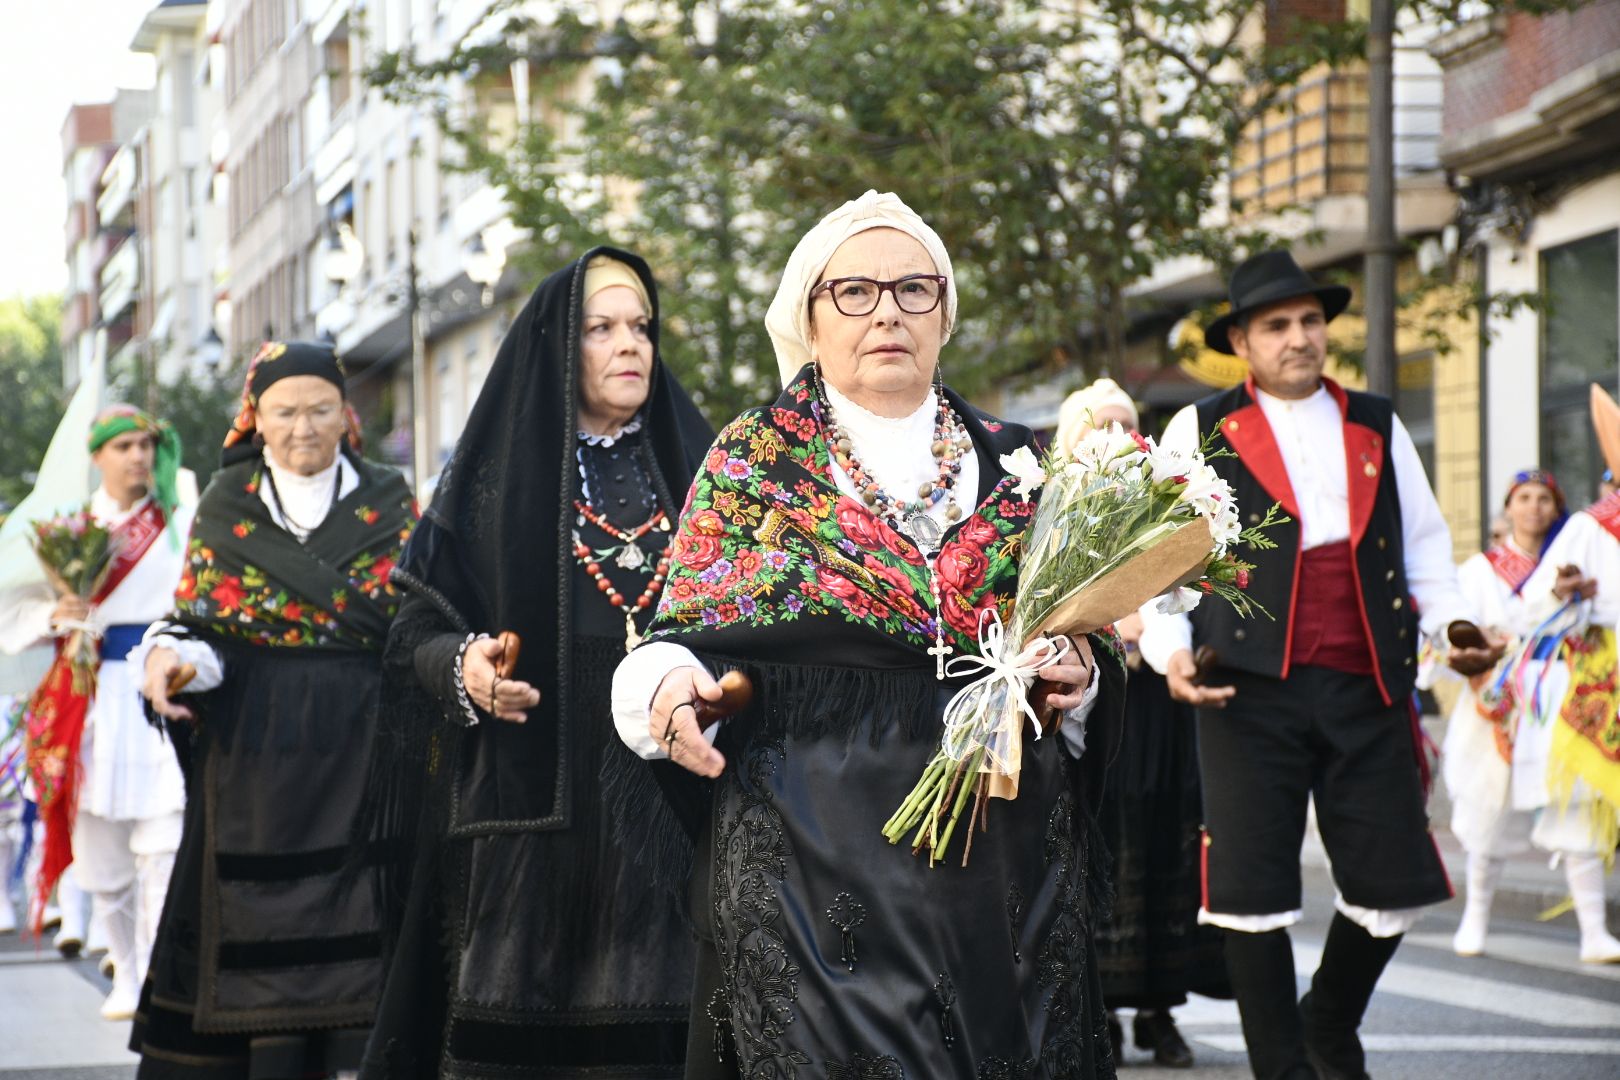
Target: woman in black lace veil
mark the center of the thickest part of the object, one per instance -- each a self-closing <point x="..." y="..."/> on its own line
<point x="522" y="941"/>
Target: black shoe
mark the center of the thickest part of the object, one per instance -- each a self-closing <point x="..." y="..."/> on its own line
<point x="1325" y="1071"/>
<point x="1116" y="1039"/>
<point x="1157" y="1032"/>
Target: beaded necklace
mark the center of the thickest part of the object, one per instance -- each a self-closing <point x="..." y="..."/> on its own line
<point x="630" y="557"/>
<point x="910" y="516"/>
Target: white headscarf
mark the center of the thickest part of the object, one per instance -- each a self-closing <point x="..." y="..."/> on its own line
<point x="1074" y="415"/>
<point x="788" y="319"/>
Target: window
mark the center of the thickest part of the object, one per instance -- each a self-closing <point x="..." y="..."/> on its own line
<point x="1580" y="345"/>
<point x="1414" y="402"/>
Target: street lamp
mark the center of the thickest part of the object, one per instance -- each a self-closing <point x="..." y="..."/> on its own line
<point x="484" y="264"/>
<point x="344" y="258"/>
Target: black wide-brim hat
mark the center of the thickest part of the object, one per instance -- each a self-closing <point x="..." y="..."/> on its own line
<point x="1265" y="279"/>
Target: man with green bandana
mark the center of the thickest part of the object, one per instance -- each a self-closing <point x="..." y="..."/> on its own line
<point x="125" y="805"/>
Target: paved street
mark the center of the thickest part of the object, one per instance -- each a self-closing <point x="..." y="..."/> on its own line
<point x="1529" y="1011"/>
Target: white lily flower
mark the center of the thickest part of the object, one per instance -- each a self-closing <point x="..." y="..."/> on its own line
<point x="1023" y="464"/>
<point x="1178" y="601"/>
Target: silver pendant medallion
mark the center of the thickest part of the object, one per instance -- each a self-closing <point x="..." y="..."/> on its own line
<point x="924" y="529"/>
<point x="630" y="557"/>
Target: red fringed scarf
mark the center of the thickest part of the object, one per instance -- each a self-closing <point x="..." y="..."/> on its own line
<point x="56" y="714"/>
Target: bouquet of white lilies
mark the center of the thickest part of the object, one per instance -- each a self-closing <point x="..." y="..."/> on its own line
<point x="1121" y="521"/>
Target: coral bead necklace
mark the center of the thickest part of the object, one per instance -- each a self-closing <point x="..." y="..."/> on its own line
<point x="630" y="557"/>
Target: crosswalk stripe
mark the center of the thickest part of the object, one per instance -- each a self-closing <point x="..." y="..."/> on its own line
<point x="49" y="1019"/>
<point x="1526" y="949"/>
<point x="1450" y="1044"/>
<point x="1549" y="1008"/>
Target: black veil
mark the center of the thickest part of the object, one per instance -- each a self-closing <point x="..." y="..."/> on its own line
<point x="493" y="552"/>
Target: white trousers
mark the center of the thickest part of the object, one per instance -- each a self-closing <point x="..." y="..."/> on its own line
<point x="125" y="865"/>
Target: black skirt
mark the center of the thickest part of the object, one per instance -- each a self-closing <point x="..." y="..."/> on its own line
<point x="540" y="952"/>
<point x="267" y="961"/>
<point x="1151" y="951"/>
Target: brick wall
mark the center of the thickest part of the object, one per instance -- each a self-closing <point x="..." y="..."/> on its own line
<point x="1283" y="15"/>
<point x="1499" y="77"/>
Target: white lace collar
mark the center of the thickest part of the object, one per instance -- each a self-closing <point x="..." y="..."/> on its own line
<point x="608" y="440"/>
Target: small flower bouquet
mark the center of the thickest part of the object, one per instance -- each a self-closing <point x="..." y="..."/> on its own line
<point x="77" y="554"/>
<point x="1120" y="522"/>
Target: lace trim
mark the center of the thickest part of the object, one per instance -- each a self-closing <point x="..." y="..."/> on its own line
<point x="605" y="441"/>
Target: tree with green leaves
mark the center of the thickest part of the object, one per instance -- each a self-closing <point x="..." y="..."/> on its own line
<point x="31" y="397"/>
<point x="1062" y="153"/>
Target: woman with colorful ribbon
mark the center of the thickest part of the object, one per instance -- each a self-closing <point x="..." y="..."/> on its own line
<point x="839" y="547"/>
<point x="1478" y="755"/>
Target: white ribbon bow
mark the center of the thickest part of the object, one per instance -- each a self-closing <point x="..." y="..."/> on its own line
<point x="971" y="717"/>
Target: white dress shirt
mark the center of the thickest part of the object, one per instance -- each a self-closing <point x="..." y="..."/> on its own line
<point x="898" y="454"/>
<point x="1310" y="438"/>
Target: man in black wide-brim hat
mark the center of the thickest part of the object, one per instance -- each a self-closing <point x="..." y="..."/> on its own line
<point x="1314" y="701"/>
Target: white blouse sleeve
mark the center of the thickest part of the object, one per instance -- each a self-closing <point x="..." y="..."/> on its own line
<point x="635" y="682"/>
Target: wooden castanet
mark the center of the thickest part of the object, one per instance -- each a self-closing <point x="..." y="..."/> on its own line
<point x="1205" y="661"/>
<point x="511" y="645"/>
<point x="1465" y="635"/>
<point x="180" y="678"/>
<point x="736" y="693"/>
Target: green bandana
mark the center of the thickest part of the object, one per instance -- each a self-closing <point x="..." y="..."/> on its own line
<point x="118" y="419"/>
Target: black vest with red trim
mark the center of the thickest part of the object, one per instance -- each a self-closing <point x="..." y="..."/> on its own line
<point x="1375" y="557"/>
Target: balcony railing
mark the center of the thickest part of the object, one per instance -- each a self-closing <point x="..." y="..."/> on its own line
<point x="1311" y="144"/>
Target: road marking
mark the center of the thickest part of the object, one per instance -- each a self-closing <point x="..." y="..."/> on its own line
<point x="1549" y="1008"/>
<point x="1451" y="1044"/>
<point x="49" y="1019"/>
<point x="1527" y="949"/>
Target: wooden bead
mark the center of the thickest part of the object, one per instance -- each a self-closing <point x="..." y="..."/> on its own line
<point x="593" y="569"/>
<point x="923" y="490"/>
<point x="953" y="512"/>
<point x="643" y="601"/>
<point x="603" y="585"/>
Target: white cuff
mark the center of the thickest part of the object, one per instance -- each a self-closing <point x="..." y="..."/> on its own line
<point x="635" y="682"/>
<point x="1249" y="924"/>
<point x="199" y="654"/>
<point x="27" y="623"/>
<point x="1380" y="924"/>
<point x="1162" y="636"/>
<point x="1074" y="721"/>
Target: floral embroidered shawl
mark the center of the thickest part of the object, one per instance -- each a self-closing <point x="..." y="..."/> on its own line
<point x="248" y="580"/>
<point x="770" y="555"/>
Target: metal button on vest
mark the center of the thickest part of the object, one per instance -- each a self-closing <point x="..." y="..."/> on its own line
<point x="1389" y="575"/>
<point x="1240" y="634"/>
<point x="1231" y="425"/>
<point x="1382" y="543"/>
<point x="1372" y="470"/>
<point x="1408" y="661"/>
<point x="1401" y="633"/>
<point x="1254" y="518"/>
<point x="1398" y="603"/>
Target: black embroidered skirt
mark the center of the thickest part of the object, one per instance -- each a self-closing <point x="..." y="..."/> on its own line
<point x="837" y="954"/>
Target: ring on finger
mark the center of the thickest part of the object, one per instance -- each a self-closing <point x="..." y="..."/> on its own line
<point x="494" y="690"/>
<point x="671" y="736"/>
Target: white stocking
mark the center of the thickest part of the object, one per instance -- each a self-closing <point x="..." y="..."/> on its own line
<point x="1483" y="874"/>
<point x="151" y="889"/>
<point x="1585" y="873"/>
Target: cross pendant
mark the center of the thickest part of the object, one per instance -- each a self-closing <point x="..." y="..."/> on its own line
<point x="939" y="651"/>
